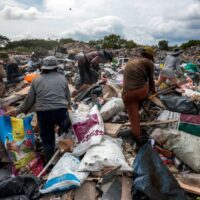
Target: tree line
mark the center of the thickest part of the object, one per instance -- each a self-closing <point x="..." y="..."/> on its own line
<point x="112" y="41"/>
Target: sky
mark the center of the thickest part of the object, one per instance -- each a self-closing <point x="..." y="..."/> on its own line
<point x="144" y="21"/>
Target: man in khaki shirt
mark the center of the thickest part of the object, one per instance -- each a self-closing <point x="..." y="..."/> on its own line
<point x="138" y="81"/>
<point x="2" y="75"/>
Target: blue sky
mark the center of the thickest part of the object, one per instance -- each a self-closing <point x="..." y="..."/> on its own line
<point x="144" y="21"/>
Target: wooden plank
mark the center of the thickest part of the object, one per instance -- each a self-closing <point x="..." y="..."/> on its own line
<point x="126" y="188"/>
<point x="87" y="191"/>
<point x="16" y="97"/>
<point x="112" y="129"/>
<point x="157" y="102"/>
<point x="190" y="189"/>
<point x="24" y="91"/>
<point x="68" y="195"/>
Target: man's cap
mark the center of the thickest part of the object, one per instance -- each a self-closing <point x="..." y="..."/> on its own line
<point x="149" y="51"/>
<point x="50" y="63"/>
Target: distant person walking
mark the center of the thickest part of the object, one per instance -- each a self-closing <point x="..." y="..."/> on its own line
<point x="171" y="70"/>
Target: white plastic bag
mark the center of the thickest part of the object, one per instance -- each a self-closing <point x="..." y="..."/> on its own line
<point x="185" y="146"/>
<point x="64" y="175"/>
<point x="88" y="127"/>
<point x="107" y="154"/>
<point x="111" y="108"/>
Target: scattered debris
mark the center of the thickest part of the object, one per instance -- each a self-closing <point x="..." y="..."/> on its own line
<point x="101" y="137"/>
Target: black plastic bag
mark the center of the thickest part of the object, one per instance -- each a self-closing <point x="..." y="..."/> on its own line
<point x="180" y="104"/>
<point x="16" y="197"/>
<point x="152" y="180"/>
<point x="94" y="89"/>
<point x="19" y="185"/>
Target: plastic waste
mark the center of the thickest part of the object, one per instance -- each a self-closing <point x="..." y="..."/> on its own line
<point x="64" y="175"/>
<point x="24" y="185"/>
<point x="186" y="147"/>
<point x="111" y="108"/>
<point x="180" y="104"/>
<point x="88" y="127"/>
<point x="152" y="180"/>
<point x="18" y="139"/>
<point x="107" y="154"/>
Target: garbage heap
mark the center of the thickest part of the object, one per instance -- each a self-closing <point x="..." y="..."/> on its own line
<point x="98" y="158"/>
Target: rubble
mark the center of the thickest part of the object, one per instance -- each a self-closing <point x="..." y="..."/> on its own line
<point x="94" y="110"/>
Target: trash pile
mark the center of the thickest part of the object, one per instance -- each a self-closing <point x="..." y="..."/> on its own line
<point x="192" y="54"/>
<point x="98" y="157"/>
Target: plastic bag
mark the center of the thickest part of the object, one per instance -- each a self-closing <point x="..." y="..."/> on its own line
<point x="18" y="138"/>
<point x="180" y="104"/>
<point x="64" y="175"/>
<point x="152" y="180"/>
<point x="111" y="108"/>
<point x="88" y="127"/>
<point x="107" y="154"/>
<point x="20" y="185"/>
<point x="186" y="147"/>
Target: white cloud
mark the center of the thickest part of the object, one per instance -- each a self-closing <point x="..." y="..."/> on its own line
<point x="15" y="13"/>
<point x="145" y="21"/>
<point x="193" y="11"/>
<point x="96" y="28"/>
<point x="177" y="27"/>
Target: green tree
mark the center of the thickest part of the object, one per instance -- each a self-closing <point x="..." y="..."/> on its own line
<point x="163" y="45"/>
<point x="116" y="42"/>
<point x="66" y="40"/>
<point x="190" y="43"/>
<point x="131" y="44"/>
<point x="4" y="40"/>
<point x="33" y="44"/>
<point x="112" y="41"/>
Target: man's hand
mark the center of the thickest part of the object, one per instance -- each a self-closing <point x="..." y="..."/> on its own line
<point x="12" y="112"/>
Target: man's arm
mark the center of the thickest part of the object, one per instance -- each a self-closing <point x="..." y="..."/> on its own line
<point x="28" y="102"/>
<point x="68" y="95"/>
<point x="94" y="63"/>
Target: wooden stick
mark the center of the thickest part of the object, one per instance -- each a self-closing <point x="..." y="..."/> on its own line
<point x="154" y="122"/>
<point x="49" y="163"/>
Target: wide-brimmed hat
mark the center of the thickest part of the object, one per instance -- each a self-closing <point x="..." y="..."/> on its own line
<point x="50" y="63"/>
<point x="176" y="52"/>
<point x="149" y="51"/>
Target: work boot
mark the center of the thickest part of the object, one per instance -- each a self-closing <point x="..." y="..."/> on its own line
<point x="141" y="139"/>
